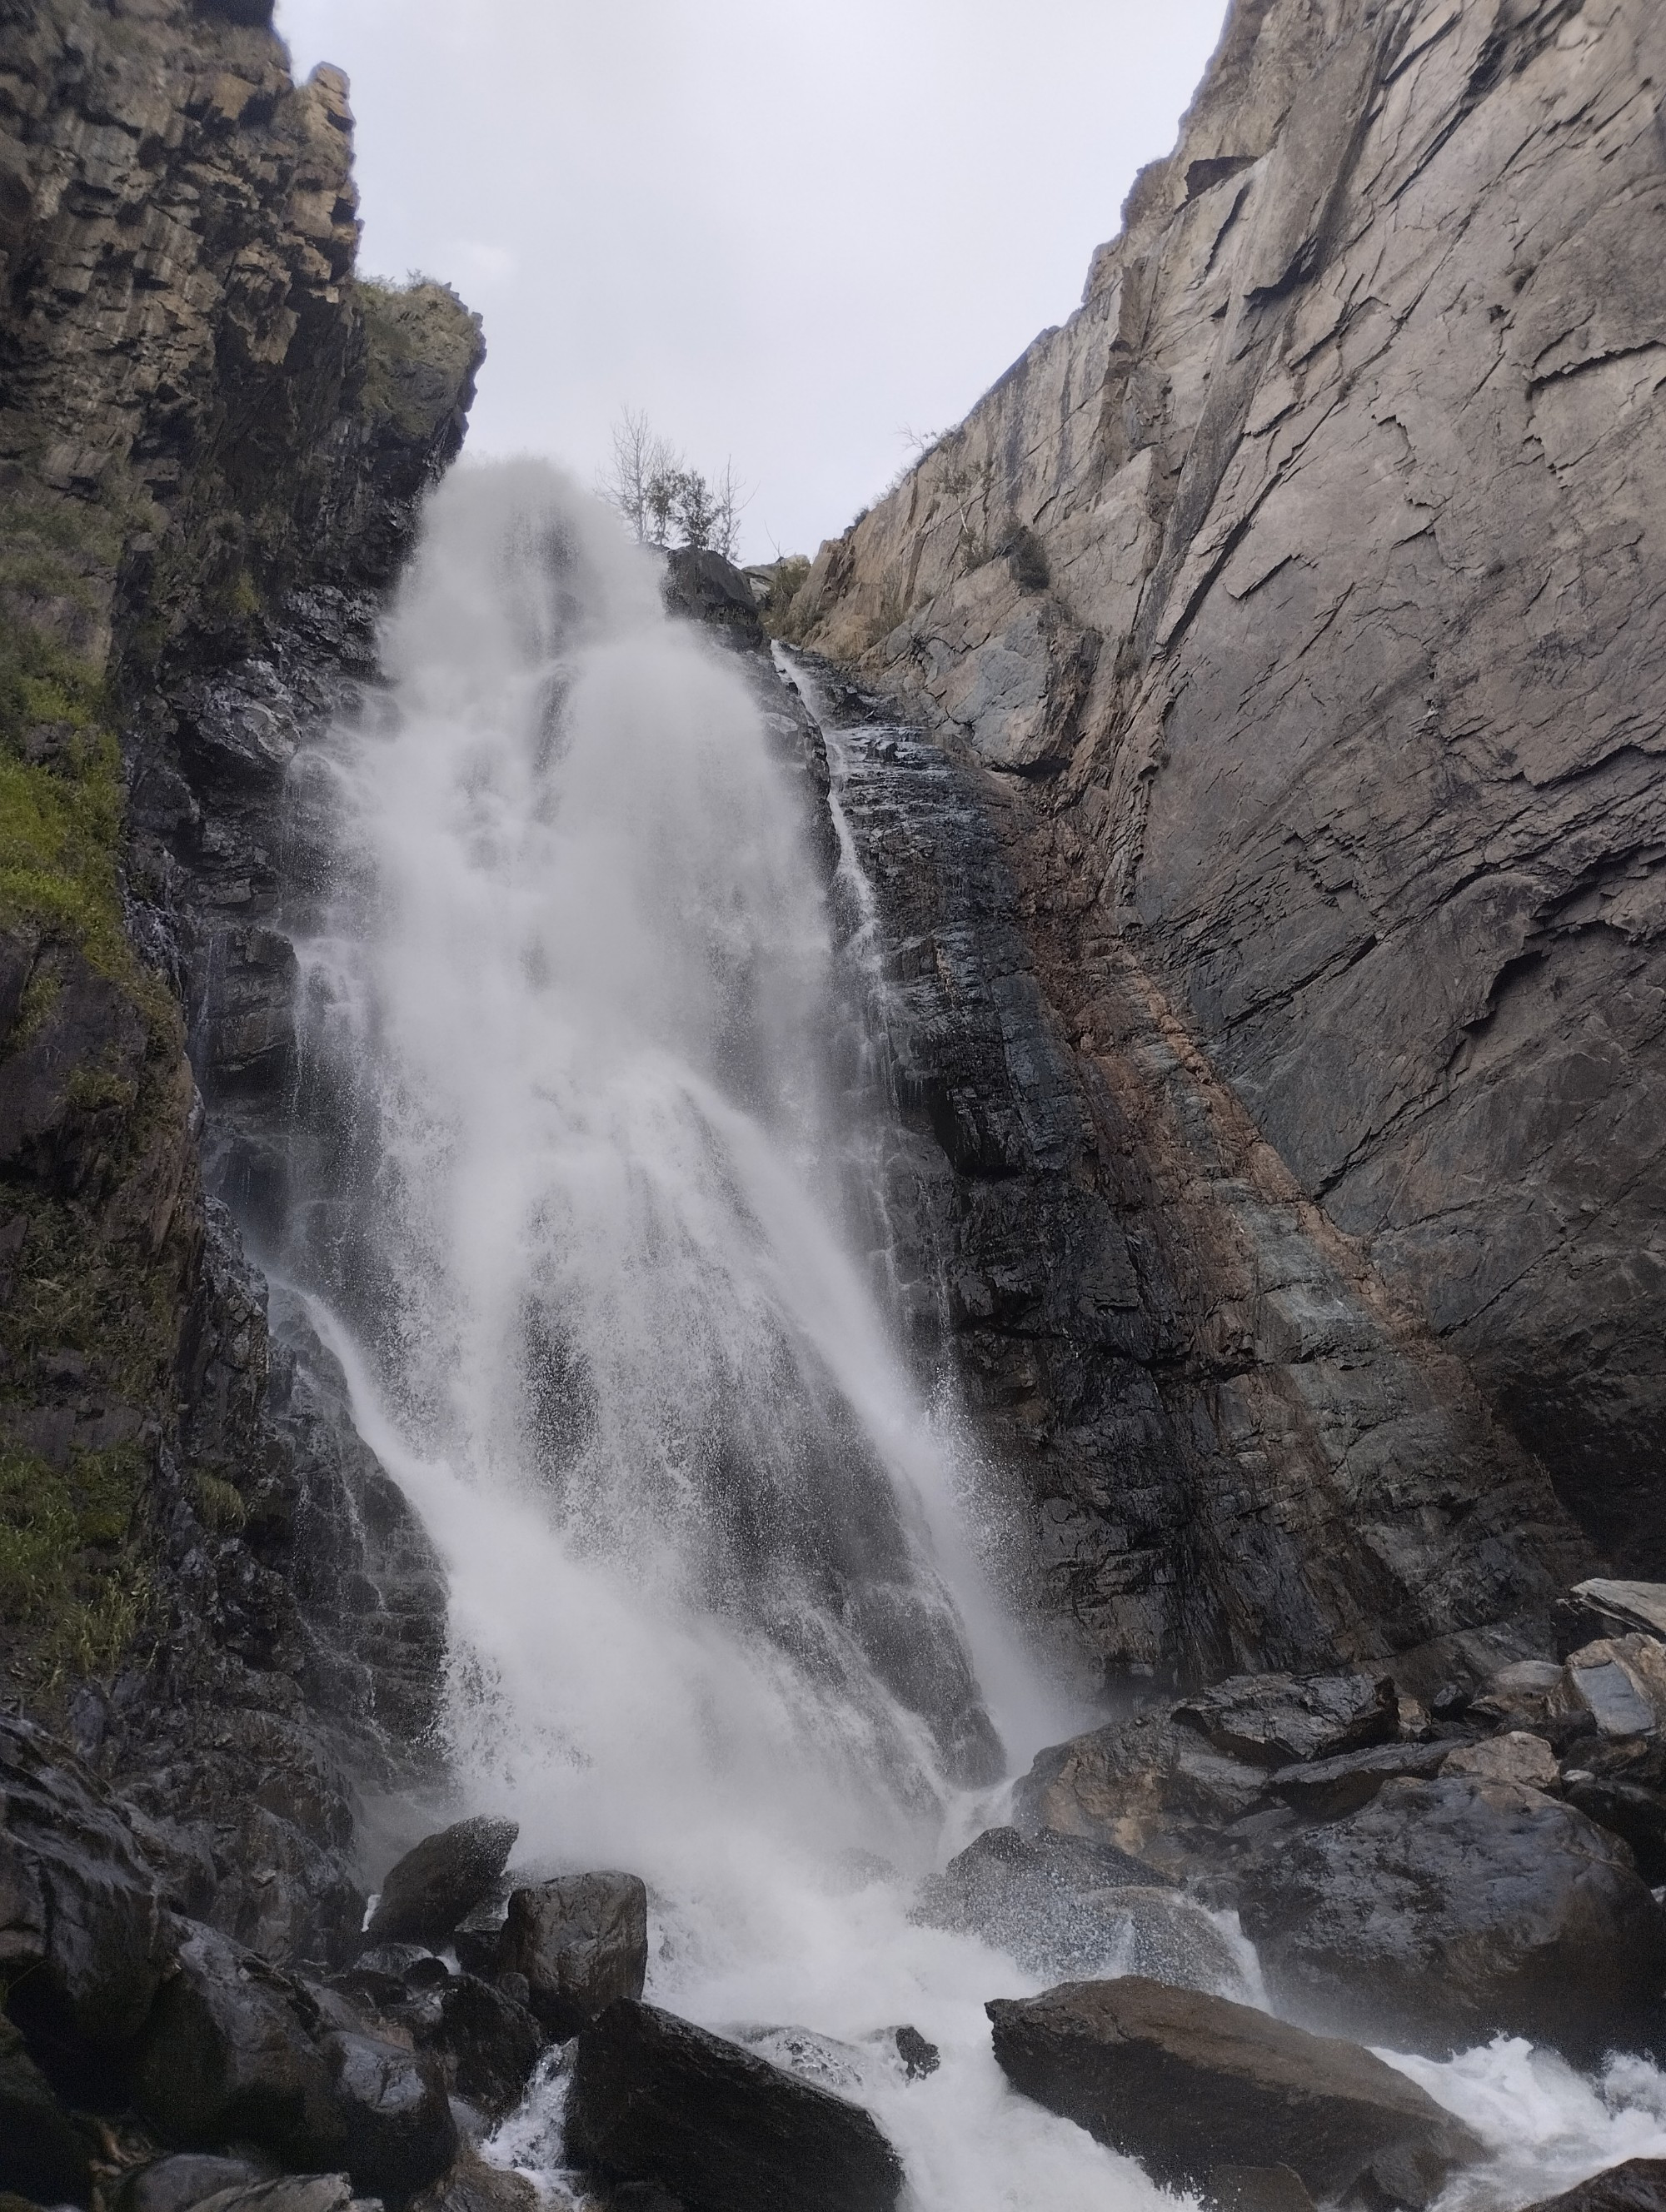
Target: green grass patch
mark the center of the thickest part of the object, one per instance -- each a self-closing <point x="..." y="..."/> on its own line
<point x="72" y="1584"/>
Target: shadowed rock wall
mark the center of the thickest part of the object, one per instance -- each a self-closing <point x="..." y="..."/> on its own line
<point x="1306" y="587"/>
<point x="213" y="438"/>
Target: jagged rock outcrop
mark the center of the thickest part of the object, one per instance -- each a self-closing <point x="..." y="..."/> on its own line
<point x="213" y="438"/>
<point x="1303" y="595"/>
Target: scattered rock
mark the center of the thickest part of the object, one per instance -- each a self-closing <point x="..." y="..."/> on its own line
<point x="1638" y="2185"/>
<point x="1623" y="1787"/>
<point x="82" y="1926"/>
<point x="1535" y="1695"/>
<point x="478" y="1936"/>
<point x="41" y="2154"/>
<point x="291" y="2193"/>
<point x="237" y="2051"/>
<point x="1514" y="1756"/>
<point x="471" y="2186"/>
<point x="919" y="2057"/>
<point x="1601" y="1607"/>
<point x="580" y="1941"/>
<point x="489" y="2045"/>
<point x="430" y="1889"/>
<point x="1329" y="1789"/>
<point x="1187" y="2083"/>
<point x="655" y="2099"/>
<point x="175" y="2183"/>
<point x="1271" y="1720"/>
<point x="1621" y="1682"/>
<point x="1042" y="1899"/>
<point x="1449" y="1912"/>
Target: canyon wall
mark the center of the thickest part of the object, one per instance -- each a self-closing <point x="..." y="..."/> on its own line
<point x="1298" y="611"/>
<point x="213" y="439"/>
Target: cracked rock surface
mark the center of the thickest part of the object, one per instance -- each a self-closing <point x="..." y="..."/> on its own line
<point x="1307" y="587"/>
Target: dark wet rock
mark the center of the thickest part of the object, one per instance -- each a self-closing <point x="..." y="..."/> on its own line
<point x="1064" y="1907"/>
<point x="1638" y="2186"/>
<point x="1186" y="2083"/>
<point x="186" y="2178"/>
<point x="1623" y="1787"/>
<point x="657" y="2101"/>
<point x="488" y="2042"/>
<point x="1256" y="2189"/>
<point x="427" y="1892"/>
<point x="471" y="2186"/>
<point x="705" y="587"/>
<point x="1327" y="1789"/>
<point x="292" y="2192"/>
<point x="1535" y="1695"/>
<point x="919" y="2057"/>
<point x="42" y="2155"/>
<point x="1448" y="1911"/>
<point x="580" y="1941"/>
<point x="1268" y="1720"/>
<point x="238" y="2051"/>
<point x="1158" y="1792"/>
<point x="478" y="1936"/>
<point x="1600" y="1607"/>
<point x="394" y="2120"/>
<point x="82" y="1933"/>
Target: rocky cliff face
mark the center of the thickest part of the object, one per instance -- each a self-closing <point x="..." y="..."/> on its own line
<point x="1296" y="610"/>
<point x="212" y="439"/>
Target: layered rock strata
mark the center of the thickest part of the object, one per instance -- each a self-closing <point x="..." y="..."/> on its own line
<point x="213" y="436"/>
<point x="1305" y="589"/>
<point x="1227" y="1443"/>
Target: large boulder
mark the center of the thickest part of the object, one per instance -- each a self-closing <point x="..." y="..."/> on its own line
<point x="237" y="2051"/>
<point x="183" y="2178"/>
<point x="488" y="2043"/>
<point x="84" y="1935"/>
<point x="1449" y="1912"/>
<point x="1638" y="2185"/>
<point x="290" y="2192"/>
<point x="1604" y="1608"/>
<point x="580" y="1942"/>
<point x="1272" y="1719"/>
<point x="426" y="1893"/>
<point x="1068" y="1908"/>
<point x="471" y="2186"/>
<point x="1188" y="2084"/>
<point x="41" y="2153"/>
<point x="656" y="2100"/>
<point x="1151" y="1788"/>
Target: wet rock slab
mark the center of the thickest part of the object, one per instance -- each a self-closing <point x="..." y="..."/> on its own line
<point x="441" y="1881"/>
<point x="1449" y="1912"/>
<point x="1187" y="2083"/>
<point x="580" y="1942"/>
<point x="658" y="2101"/>
<point x="1638" y="2185"/>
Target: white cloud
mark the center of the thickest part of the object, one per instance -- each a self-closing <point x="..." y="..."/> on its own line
<point x="785" y="228"/>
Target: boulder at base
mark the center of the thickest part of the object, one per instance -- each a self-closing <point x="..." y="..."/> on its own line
<point x="580" y="1942"/>
<point x="1187" y="2083"/>
<point x="1449" y="1911"/>
<point x="41" y="2155"/>
<point x="237" y="2051"/>
<point x="439" y="1883"/>
<point x="657" y="2101"/>
<point x="473" y="2186"/>
<point x="1638" y="2185"/>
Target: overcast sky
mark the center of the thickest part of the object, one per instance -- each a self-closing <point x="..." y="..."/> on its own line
<point x="790" y="230"/>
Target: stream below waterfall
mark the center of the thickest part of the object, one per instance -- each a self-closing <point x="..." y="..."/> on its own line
<point x="582" y="1245"/>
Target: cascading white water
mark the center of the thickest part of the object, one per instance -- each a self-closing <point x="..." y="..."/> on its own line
<point x="711" y="1620"/>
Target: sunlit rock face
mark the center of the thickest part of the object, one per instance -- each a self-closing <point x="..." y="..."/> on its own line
<point x="1304" y="591"/>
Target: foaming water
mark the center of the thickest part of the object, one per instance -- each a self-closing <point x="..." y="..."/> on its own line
<point x="712" y="1615"/>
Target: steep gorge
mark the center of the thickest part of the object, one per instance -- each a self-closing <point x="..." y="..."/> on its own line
<point x="1295" y="610"/>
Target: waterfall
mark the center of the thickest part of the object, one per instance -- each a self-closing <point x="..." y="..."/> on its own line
<point x="576" y="1240"/>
